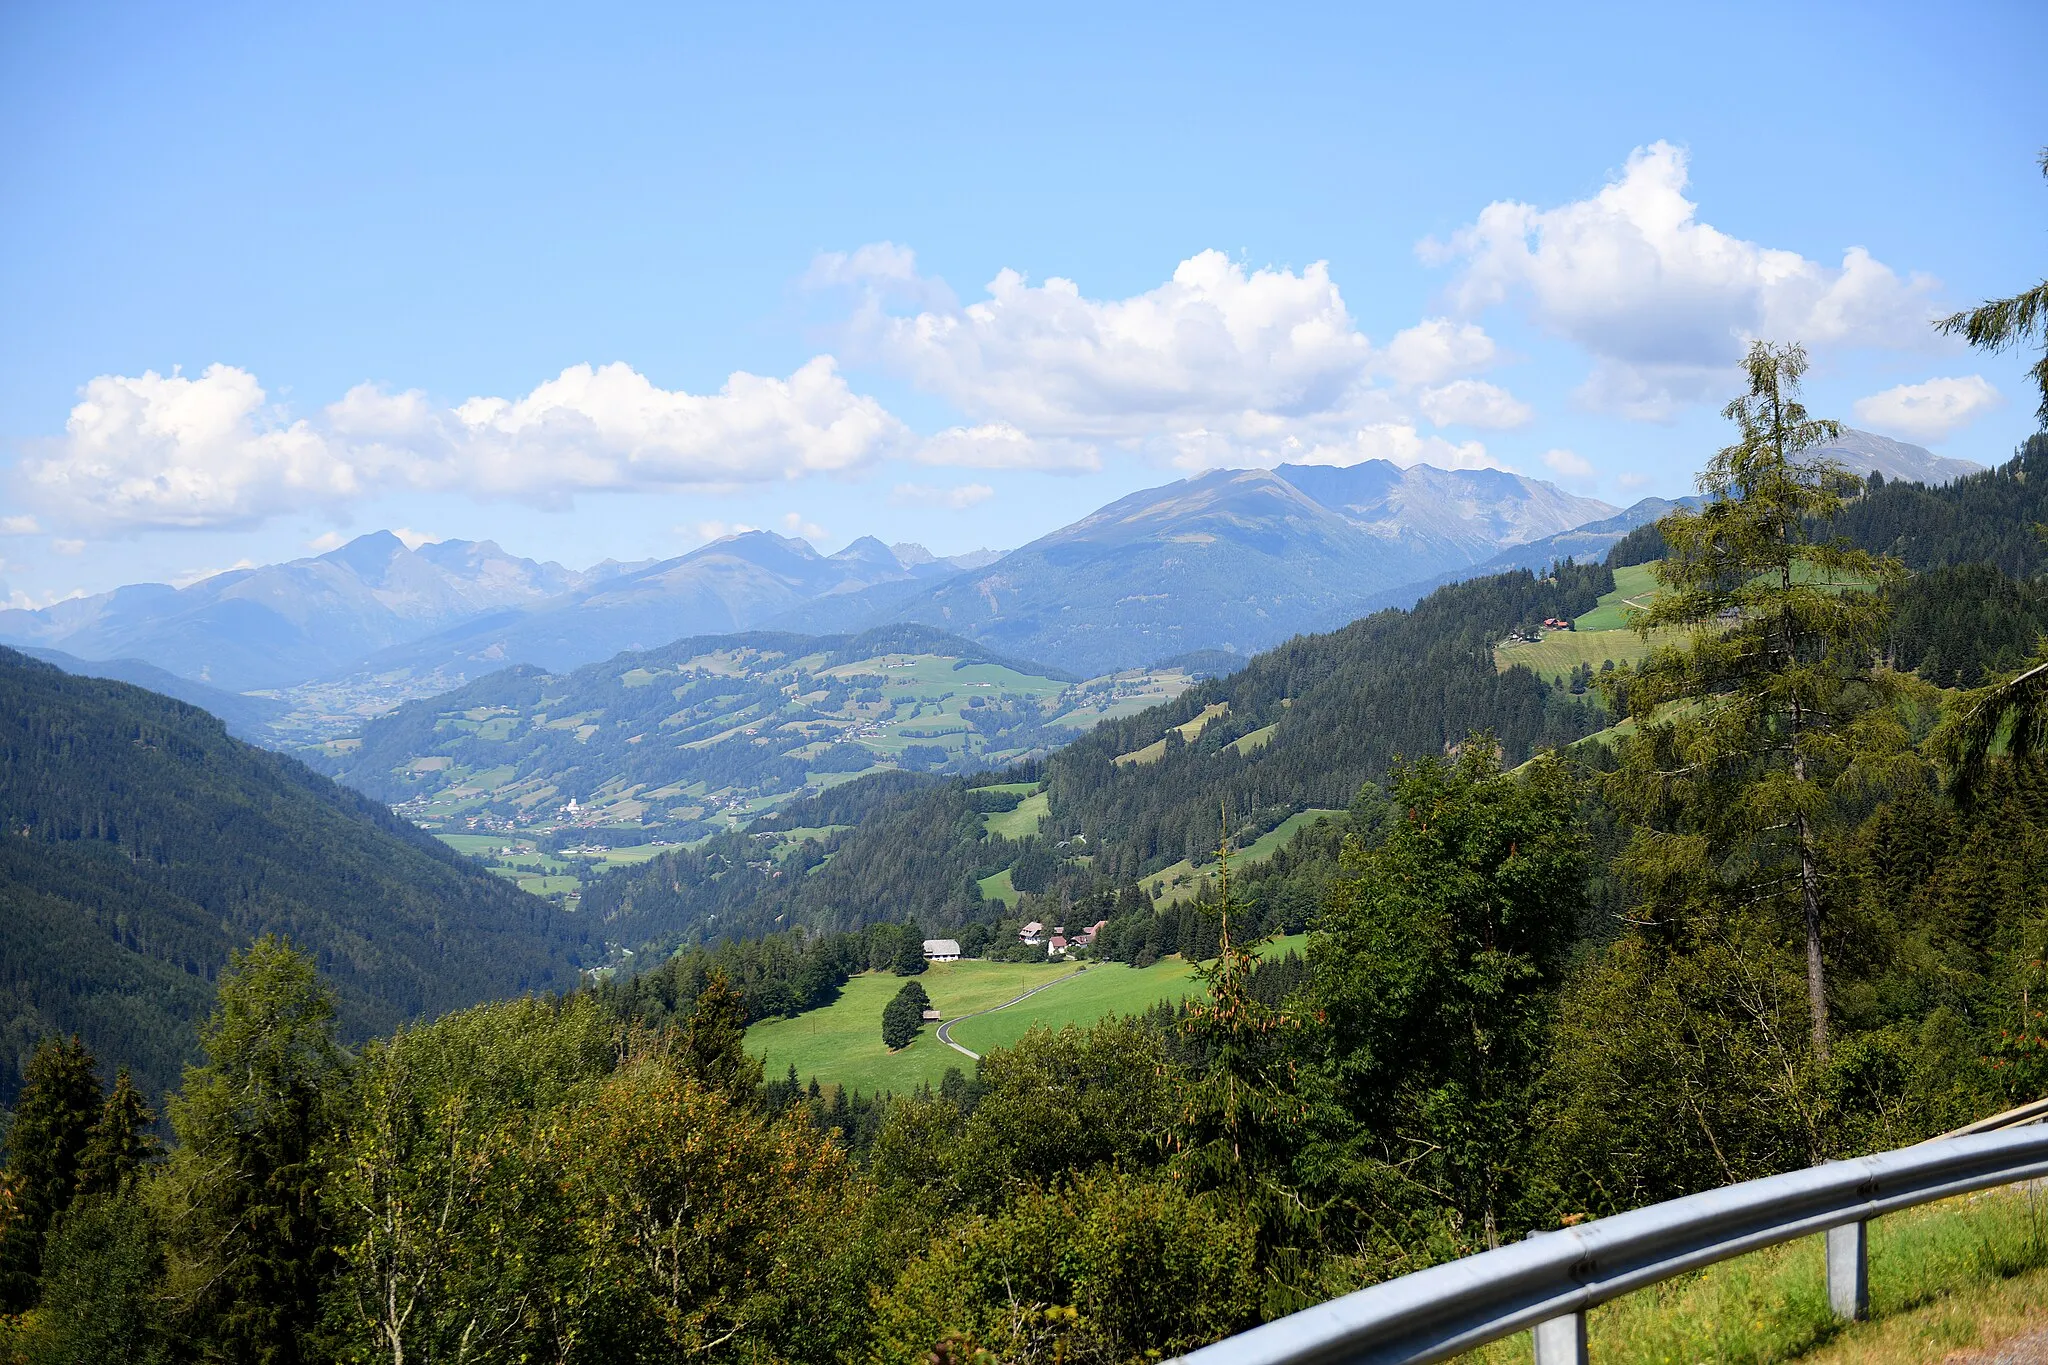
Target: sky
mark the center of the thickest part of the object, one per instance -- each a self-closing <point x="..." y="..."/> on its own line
<point x="609" y="281"/>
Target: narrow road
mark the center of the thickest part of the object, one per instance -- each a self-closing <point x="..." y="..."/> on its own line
<point x="946" y="1029"/>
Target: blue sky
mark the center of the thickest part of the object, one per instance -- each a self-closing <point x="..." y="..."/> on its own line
<point x="273" y="275"/>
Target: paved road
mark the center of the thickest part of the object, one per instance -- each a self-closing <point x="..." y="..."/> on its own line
<point x="946" y="1029"/>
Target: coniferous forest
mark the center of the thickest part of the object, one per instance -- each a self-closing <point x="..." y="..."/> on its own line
<point x="1771" y="895"/>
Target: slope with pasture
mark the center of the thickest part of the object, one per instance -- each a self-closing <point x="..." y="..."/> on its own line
<point x="677" y="742"/>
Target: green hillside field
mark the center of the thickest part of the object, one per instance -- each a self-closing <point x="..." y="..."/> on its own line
<point x="842" y="1043"/>
<point x="1183" y="880"/>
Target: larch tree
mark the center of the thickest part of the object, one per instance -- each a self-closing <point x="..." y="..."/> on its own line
<point x="1770" y="708"/>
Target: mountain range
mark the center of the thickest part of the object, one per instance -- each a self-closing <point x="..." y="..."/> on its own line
<point x="1219" y="565"/>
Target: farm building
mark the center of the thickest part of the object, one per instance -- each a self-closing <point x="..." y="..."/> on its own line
<point x="941" y="950"/>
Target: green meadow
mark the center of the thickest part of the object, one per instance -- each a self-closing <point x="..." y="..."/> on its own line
<point x="842" y="1043"/>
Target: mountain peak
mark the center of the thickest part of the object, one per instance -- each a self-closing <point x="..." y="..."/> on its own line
<point x="1866" y="452"/>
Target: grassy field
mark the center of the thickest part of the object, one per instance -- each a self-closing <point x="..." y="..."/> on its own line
<point x="998" y="888"/>
<point x="1020" y="823"/>
<point x="1967" y="1272"/>
<point x="1104" y="990"/>
<point x="1560" y="651"/>
<point x="842" y="1043"/>
<point x="1184" y="880"/>
<point x="1633" y="587"/>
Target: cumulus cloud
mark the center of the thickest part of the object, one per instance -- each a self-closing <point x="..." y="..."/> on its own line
<point x="1663" y="302"/>
<point x="1437" y="349"/>
<point x="1400" y="443"/>
<point x="1215" y="341"/>
<point x="1569" y="463"/>
<point x="925" y="495"/>
<point x="1474" y="403"/>
<point x="18" y="526"/>
<point x="1221" y="364"/>
<point x="1931" y="411"/>
<point x="157" y="451"/>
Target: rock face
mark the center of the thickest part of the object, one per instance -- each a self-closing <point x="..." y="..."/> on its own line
<point x="1233" y="560"/>
<point x="1863" y="452"/>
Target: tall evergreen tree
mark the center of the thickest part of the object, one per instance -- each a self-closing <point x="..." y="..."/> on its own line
<point x="910" y="951"/>
<point x="1751" y="727"/>
<point x="53" y="1123"/>
<point x="121" y="1143"/>
<point x="246" y="1173"/>
<point x="715" y="1042"/>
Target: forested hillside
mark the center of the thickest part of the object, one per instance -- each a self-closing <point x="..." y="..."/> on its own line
<point x="1301" y="726"/>
<point x="1304" y="725"/>
<point x="673" y="743"/>
<point x="142" y="843"/>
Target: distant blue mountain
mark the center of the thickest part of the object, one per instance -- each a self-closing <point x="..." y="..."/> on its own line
<point x="1233" y="560"/>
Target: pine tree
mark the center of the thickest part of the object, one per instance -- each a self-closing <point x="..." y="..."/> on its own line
<point x="53" y="1122"/>
<point x="1752" y="727"/>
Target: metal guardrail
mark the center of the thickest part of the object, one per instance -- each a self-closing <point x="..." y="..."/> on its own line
<point x="1549" y="1281"/>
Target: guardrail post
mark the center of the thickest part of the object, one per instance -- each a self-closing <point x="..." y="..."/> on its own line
<point x="1561" y="1341"/>
<point x="1848" y="1271"/>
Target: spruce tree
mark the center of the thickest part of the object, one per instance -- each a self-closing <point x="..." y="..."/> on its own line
<point x="1771" y="706"/>
<point x="246" y="1174"/>
<point x="121" y="1143"/>
<point x="53" y="1123"/>
<point x="910" y="951"/>
<point x="715" y="1042"/>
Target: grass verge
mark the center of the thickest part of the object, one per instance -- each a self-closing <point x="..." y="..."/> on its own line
<point x="1967" y="1272"/>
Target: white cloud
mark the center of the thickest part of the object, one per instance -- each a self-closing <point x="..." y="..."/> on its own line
<point x="161" y="450"/>
<point x="880" y="269"/>
<point x="1214" y="342"/>
<point x="1220" y="365"/>
<point x="998" y="445"/>
<point x="18" y="526"/>
<point x="325" y="541"/>
<point x="1663" y="302"/>
<point x="718" y="530"/>
<point x="924" y="495"/>
<point x="1474" y="403"/>
<point x="1569" y="463"/>
<point x="1931" y="411"/>
<point x="1400" y="443"/>
<point x="1437" y="349"/>
<point x="412" y="539"/>
<point x="793" y="523"/>
<point x="188" y="577"/>
<point x="158" y="451"/>
<point x="68" y="547"/>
